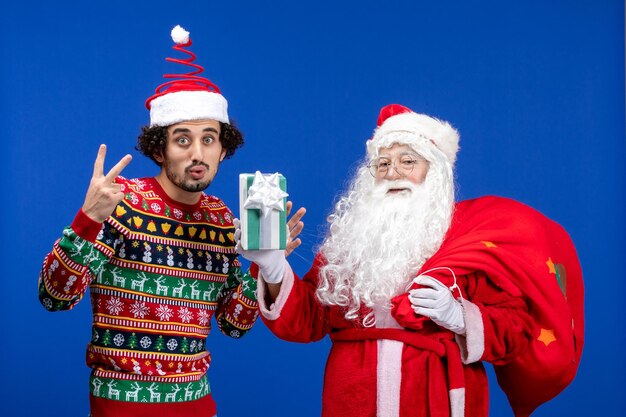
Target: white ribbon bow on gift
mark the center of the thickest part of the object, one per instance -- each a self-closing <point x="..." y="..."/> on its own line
<point x="265" y="194"/>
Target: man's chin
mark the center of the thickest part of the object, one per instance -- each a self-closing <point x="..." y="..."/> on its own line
<point x="195" y="186"/>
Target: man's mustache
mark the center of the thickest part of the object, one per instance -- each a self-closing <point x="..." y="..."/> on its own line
<point x="195" y="164"/>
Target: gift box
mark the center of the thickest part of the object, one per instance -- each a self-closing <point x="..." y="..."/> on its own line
<point x="262" y="203"/>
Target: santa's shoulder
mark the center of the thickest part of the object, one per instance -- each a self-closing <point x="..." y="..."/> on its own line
<point x="501" y="212"/>
<point x="491" y="203"/>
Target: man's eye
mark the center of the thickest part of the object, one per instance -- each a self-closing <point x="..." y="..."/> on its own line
<point x="408" y="162"/>
<point x="208" y="140"/>
<point x="384" y="164"/>
<point x="183" y="140"/>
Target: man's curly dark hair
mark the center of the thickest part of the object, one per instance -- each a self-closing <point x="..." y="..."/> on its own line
<point x="152" y="140"/>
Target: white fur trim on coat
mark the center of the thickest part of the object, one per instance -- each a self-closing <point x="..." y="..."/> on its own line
<point x="183" y="106"/>
<point x="272" y="312"/>
<point x="472" y="343"/>
<point x="457" y="402"/>
<point x="389" y="367"/>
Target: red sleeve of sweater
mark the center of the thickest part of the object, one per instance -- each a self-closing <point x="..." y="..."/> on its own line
<point x="302" y="317"/>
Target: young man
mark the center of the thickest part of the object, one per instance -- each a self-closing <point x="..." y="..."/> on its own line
<point x="416" y="291"/>
<point x="158" y="257"/>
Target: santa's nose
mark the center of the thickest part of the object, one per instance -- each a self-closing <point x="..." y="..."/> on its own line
<point x="392" y="173"/>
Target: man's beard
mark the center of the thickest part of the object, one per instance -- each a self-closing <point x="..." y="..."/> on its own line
<point x="377" y="242"/>
<point x="185" y="183"/>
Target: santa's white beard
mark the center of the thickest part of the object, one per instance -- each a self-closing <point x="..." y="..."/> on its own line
<point x="378" y="241"/>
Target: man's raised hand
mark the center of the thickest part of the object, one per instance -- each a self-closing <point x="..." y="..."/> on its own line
<point x="294" y="226"/>
<point x="103" y="193"/>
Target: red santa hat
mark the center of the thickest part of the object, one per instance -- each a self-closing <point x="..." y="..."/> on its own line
<point x="419" y="131"/>
<point x="187" y="96"/>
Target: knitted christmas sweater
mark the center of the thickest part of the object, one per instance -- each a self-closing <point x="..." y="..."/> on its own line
<point x="157" y="271"/>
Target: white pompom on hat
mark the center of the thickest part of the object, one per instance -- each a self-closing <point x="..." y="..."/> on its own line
<point x="187" y="96"/>
<point x="422" y="130"/>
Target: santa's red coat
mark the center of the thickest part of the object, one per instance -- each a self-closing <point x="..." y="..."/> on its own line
<point x="407" y="365"/>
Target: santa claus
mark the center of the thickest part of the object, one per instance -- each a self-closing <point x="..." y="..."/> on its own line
<point x="398" y="286"/>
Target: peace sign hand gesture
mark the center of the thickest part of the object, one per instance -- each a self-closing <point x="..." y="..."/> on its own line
<point x="103" y="193"/>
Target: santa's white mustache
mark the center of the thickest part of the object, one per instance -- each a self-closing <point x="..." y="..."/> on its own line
<point x="381" y="189"/>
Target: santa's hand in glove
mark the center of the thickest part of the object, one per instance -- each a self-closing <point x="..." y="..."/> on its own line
<point x="435" y="300"/>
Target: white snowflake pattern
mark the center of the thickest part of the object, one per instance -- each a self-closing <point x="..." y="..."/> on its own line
<point x="155" y="207"/>
<point x="203" y="317"/>
<point x="47" y="303"/>
<point x="228" y="217"/>
<point x="139" y="309"/>
<point x="164" y="312"/>
<point x="213" y="218"/>
<point x="118" y="339"/>
<point x="115" y="306"/>
<point x="197" y="215"/>
<point x="235" y="334"/>
<point x="145" y="342"/>
<point x="177" y="213"/>
<point x="134" y="199"/>
<point x="184" y="314"/>
<point x="172" y="344"/>
<point x="140" y="184"/>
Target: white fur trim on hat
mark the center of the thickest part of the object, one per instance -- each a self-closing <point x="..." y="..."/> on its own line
<point x="423" y="129"/>
<point x="181" y="106"/>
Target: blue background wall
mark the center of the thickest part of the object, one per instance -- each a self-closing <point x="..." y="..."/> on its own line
<point x="536" y="89"/>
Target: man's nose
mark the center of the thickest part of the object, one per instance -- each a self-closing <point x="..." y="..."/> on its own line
<point x="195" y="151"/>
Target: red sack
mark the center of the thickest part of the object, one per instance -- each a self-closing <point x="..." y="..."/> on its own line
<point x="521" y="251"/>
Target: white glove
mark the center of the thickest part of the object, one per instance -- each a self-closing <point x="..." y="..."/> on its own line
<point x="271" y="262"/>
<point x="436" y="301"/>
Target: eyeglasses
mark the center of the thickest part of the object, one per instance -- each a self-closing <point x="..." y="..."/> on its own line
<point x="378" y="167"/>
